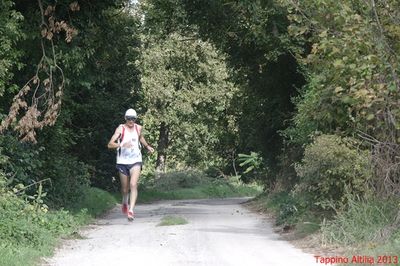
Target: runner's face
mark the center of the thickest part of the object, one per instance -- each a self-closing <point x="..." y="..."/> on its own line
<point x="130" y="120"/>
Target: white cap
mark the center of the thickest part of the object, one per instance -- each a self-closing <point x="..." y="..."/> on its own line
<point x="130" y="112"/>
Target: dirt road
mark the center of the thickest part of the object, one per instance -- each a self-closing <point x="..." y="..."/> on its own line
<point x="219" y="232"/>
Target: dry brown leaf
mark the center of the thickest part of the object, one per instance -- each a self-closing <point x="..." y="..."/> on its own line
<point x="49" y="10"/>
<point x="49" y="35"/>
<point x="74" y="6"/>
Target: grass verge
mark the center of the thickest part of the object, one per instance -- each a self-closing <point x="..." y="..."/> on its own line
<point x="172" y="220"/>
<point x="368" y="229"/>
<point x="194" y="185"/>
<point x="288" y="212"/>
<point x="28" y="231"/>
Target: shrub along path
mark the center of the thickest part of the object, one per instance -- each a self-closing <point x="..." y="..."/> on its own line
<point x="217" y="232"/>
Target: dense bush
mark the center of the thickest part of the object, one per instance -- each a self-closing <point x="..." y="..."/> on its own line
<point x="333" y="167"/>
<point x="69" y="178"/>
<point x="20" y="220"/>
<point x="20" y="161"/>
<point x="180" y="179"/>
<point x="25" y="164"/>
<point x="28" y="229"/>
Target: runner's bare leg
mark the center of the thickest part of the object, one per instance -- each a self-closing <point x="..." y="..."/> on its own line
<point x="124" y="185"/>
<point x="135" y="173"/>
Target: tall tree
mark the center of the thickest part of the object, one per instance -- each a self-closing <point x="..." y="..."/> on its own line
<point x="11" y="33"/>
<point x="187" y="93"/>
<point x="353" y="72"/>
<point x="98" y="80"/>
<point x="253" y="34"/>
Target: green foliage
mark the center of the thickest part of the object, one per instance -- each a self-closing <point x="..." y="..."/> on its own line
<point x="21" y="222"/>
<point x="254" y="38"/>
<point x="69" y="180"/>
<point x="21" y="163"/>
<point x="163" y="17"/>
<point x="97" y="75"/>
<point x="252" y="161"/>
<point x="21" y="255"/>
<point x="29" y="229"/>
<point x="352" y="66"/>
<point x="286" y="176"/>
<point x="191" y="184"/>
<point x="331" y="168"/>
<point x="289" y="209"/>
<point x="282" y="204"/>
<point x="27" y="221"/>
<point x="95" y="202"/>
<point x="236" y="26"/>
<point x="187" y="92"/>
<point x="347" y="51"/>
<point x="180" y="179"/>
<point x="25" y="165"/>
<point x="172" y="220"/>
<point x="364" y="221"/>
<point x="218" y="188"/>
<point x="100" y="77"/>
<point x="10" y="33"/>
<point x="307" y="121"/>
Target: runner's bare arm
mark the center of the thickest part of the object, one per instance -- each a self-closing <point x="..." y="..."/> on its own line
<point x="112" y="144"/>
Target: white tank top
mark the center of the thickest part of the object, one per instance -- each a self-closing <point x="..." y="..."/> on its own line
<point x="130" y="152"/>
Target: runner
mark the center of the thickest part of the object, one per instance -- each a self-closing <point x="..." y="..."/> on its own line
<point x="127" y="140"/>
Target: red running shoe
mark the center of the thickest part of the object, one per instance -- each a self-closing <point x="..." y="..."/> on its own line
<point x="124" y="208"/>
<point x="130" y="215"/>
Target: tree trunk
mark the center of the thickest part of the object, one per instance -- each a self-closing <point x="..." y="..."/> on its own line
<point x="162" y="147"/>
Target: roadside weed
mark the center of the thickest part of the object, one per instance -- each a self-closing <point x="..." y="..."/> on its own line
<point x="172" y="220"/>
